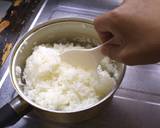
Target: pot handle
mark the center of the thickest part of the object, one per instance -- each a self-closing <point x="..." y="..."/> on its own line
<point x="13" y="111"/>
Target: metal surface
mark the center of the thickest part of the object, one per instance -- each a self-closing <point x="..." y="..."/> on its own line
<point x="135" y="105"/>
<point x="4" y="5"/>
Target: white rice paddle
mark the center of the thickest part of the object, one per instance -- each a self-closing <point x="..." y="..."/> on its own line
<point x="84" y="58"/>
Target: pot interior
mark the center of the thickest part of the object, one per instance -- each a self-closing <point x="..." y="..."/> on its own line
<point x="59" y="31"/>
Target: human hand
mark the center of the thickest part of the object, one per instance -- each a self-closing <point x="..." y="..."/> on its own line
<point x="132" y="31"/>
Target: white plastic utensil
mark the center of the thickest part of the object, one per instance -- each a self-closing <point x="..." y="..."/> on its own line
<point x="84" y="58"/>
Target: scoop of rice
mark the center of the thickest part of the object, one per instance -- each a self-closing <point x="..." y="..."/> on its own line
<point x="56" y="85"/>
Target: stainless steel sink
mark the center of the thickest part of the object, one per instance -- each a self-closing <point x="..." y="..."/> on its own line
<point x="135" y="105"/>
<point x="4" y="5"/>
<point x="76" y="8"/>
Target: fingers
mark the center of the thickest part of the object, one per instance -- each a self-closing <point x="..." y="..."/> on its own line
<point x="105" y="36"/>
<point x="112" y="52"/>
<point x="103" y="24"/>
<point x="112" y="49"/>
<point x="107" y="24"/>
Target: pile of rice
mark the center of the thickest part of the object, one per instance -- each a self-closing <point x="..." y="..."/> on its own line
<point x="56" y="85"/>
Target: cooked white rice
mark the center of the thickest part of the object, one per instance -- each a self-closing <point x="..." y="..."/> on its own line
<point x="56" y="85"/>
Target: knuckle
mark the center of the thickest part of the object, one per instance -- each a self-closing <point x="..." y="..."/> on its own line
<point x="97" y="22"/>
<point x="108" y="20"/>
<point x="114" y="15"/>
<point x="115" y="18"/>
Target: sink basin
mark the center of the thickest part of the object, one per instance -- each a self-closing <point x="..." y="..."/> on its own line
<point x="133" y="105"/>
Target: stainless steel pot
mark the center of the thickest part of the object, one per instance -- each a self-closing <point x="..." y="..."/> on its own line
<point x="72" y="29"/>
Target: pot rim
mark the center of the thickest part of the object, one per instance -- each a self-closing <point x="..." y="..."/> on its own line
<point x="12" y="67"/>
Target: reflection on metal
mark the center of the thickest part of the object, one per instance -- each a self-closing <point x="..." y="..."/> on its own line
<point x="19" y="105"/>
<point x="135" y="100"/>
<point x="4" y="77"/>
